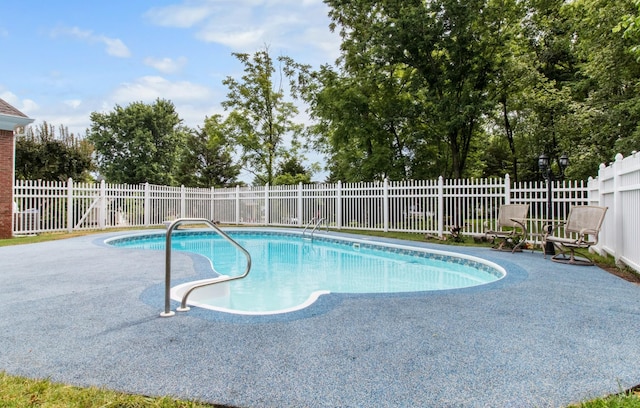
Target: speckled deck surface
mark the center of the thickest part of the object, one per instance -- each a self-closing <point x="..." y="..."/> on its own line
<point x="79" y="312"/>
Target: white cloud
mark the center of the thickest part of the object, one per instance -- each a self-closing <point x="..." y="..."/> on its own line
<point x="149" y="88"/>
<point x="182" y="16"/>
<point x="193" y="115"/>
<point x="76" y="122"/>
<point x="328" y="43"/>
<point x="247" y="25"/>
<point x="114" y="46"/>
<point x="9" y="97"/>
<point x="26" y="106"/>
<point x="166" y="65"/>
<point x="73" y="103"/>
<point x="193" y="102"/>
<point x="234" y="37"/>
<point x="56" y="114"/>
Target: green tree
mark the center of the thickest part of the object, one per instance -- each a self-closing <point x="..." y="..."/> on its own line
<point x="511" y="82"/>
<point x="43" y="155"/>
<point x="138" y="143"/>
<point x="450" y="45"/>
<point x="207" y="159"/>
<point x="609" y="91"/>
<point x="291" y="171"/>
<point x="629" y="25"/>
<point x="369" y="121"/>
<point x="477" y="88"/>
<point x="261" y="118"/>
<point x="550" y="97"/>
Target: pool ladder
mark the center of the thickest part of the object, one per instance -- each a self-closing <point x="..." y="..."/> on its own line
<point x="167" y="287"/>
<point x="317" y="223"/>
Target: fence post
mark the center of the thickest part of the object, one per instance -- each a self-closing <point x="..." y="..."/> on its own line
<point x="266" y="204"/>
<point x="597" y="184"/>
<point x="237" y="205"/>
<point x="617" y="208"/>
<point x="440" y="206"/>
<point x="147" y="204"/>
<point x="300" y="207"/>
<point x="102" y="211"/>
<point x="339" y="205"/>
<point x="386" y="205"/>
<point x="183" y="202"/>
<point x="69" y="204"/>
<point x="507" y="189"/>
<point x="211" y="202"/>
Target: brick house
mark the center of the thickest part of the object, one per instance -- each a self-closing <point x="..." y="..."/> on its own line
<point x="10" y="119"/>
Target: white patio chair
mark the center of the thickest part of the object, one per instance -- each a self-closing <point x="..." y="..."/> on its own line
<point x="581" y="230"/>
<point x="511" y="226"/>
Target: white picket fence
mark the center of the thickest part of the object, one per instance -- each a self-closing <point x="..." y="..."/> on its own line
<point x="618" y="187"/>
<point x="420" y="206"/>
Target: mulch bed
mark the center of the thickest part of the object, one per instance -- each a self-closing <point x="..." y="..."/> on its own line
<point x="623" y="273"/>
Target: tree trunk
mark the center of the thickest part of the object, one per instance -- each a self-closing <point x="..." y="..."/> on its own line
<point x="509" y="132"/>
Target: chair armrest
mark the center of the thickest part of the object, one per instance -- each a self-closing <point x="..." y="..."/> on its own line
<point x="523" y="225"/>
<point x="585" y="232"/>
<point x="550" y="227"/>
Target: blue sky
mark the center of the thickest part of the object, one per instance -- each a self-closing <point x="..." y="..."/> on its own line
<point x="66" y="59"/>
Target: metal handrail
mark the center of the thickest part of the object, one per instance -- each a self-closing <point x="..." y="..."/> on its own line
<point x="315" y="226"/>
<point x="167" y="289"/>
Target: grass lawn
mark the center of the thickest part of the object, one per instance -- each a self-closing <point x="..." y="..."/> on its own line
<point x="19" y="392"/>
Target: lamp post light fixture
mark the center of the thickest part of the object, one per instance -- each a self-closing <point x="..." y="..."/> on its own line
<point x="545" y="168"/>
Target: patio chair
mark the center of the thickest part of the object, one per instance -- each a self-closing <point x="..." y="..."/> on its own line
<point x="581" y="230"/>
<point x="511" y="227"/>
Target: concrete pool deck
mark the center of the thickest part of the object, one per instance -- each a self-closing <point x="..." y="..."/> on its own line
<point x="82" y="313"/>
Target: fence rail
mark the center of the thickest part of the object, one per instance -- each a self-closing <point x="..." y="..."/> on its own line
<point x="420" y="206"/>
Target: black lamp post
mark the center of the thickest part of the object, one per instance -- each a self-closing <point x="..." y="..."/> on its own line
<point x="545" y="168"/>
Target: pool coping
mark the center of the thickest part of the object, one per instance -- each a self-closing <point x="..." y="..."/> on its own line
<point x="547" y="335"/>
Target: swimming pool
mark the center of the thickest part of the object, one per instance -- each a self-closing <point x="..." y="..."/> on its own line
<point x="289" y="272"/>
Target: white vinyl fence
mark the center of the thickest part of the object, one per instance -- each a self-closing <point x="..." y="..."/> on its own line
<point x="618" y="187"/>
<point x="421" y="206"/>
<point x="430" y="206"/>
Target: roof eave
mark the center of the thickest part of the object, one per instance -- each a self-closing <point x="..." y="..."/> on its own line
<point x="10" y="122"/>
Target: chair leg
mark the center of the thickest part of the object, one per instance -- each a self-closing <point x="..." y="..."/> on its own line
<point x="497" y="244"/>
<point x="571" y="260"/>
<point x="517" y="246"/>
<point x="504" y="244"/>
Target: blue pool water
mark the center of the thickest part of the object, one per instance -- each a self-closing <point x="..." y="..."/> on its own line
<point x="289" y="272"/>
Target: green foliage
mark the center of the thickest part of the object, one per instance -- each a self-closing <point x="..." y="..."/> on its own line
<point x="288" y="179"/>
<point x="629" y="26"/>
<point x="291" y="171"/>
<point x="42" y="155"/>
<point x="261" y="119"/>
<point x="477" y="88"/>
<point x="372" y="125"/>
<point x="207" y="160"/>
<point x="419" y="75"/>
<point x="138" y="143"/>
<point x="607" y="96"/>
